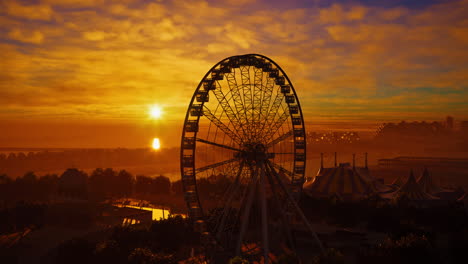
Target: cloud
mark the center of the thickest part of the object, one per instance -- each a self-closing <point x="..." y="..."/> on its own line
<point x="34" y="37"/>
<point x="96" y="35"/>
<point x="32" y="12"/>
<point x="75" y="3"/>
<point x="337" y="13"/>
<point x="343" y="58"/>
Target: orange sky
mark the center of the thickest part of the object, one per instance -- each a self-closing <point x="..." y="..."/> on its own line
<point x="84" y="73"/>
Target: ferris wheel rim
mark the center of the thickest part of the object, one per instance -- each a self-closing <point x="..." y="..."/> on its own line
<point x="197" y="213"/>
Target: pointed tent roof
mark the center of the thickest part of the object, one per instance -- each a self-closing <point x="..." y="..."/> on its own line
<point x="399" y="181"/>
<point x="413" y="191"/>
<point x="342" y="181"/>
<point x="377" y="186"/>
<point x="427" y="183"/>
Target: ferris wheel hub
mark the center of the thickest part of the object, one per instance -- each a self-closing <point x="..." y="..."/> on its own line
<point x="254" y="153"/>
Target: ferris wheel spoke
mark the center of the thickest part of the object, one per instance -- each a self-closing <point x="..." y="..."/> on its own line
<point x="247" y="92"/>
<point x="208" y="114"/>
<point x="272" y="112"/>
<point x="281" y="169"/>
<point x="257" y="99"/>
<point x="215" y="165"/>
<point x="280" y="138"/>
<point x="265" y="103"/>
<point x="275" y="126"/>
<point x="236" y="97"/>
<point x="216" y="144"/>
<point x="221" y="97"/>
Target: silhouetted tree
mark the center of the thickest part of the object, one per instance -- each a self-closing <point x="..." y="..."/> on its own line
<point x="98" y="184"/>
<point x="109" y="251"/>
<point x="177" y="187"/>
<point x="124" y="184"/>
<point x="48" y="186"/>
<point x="26" y="186"/>
<point x="161" y="185"/>
<point x="5" y="188"/>
<point x="73" y="182"/>
<point x="143" y="184"/>
<point x="77" y="251"/>
<point x="331" y="256"/>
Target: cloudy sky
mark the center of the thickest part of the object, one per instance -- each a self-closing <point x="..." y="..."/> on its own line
<point x="69" y="65"/>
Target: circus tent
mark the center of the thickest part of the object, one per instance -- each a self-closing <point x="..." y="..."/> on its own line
<point x="426" y="181"/>
<point x="376" y="184"/>
<point x="400" y="181"/>
<point x="342" y="181"/>
<point x="412" y="191"/>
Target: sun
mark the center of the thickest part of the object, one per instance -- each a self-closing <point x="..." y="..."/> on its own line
<point x="156" y="144"/>
<point x="155" y="112"/>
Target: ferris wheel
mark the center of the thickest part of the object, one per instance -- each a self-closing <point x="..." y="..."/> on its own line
<point x="243" y="157"/>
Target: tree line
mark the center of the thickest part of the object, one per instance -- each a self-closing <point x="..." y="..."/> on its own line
<point x="100" y="184"/>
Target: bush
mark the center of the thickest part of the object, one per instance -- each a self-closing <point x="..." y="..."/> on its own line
<point x="331" y="256"/>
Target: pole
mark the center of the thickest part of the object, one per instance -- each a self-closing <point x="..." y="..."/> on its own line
<point x="264" y="213"/>
<point x="321" y="160"/>
<point x="354" y="161"/>
<point x="365" y="160"/>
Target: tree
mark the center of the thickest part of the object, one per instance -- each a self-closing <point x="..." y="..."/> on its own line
<point x="143" y="184"/>
<point x="73" y="182"/>
<point x="102" y="183"/>
<point x="47" y="185"/>
<point x="124" y="184"/>
<point x="238" y="260"/>
<point x="177" y="187"/>
<point x="330" y="256"/>
<point x="77" y="251"/>
<point x="142" y="256"/>
<point x="161" y="185"/>
<point x="97" y="184"/>
<point x="25" y="187"/>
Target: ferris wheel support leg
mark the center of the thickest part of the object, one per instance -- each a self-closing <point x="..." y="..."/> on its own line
<point x="296" y="206"/>
<point x="229" y="201"/>
<point x="246" y="214"/>
<point x="278" y="205"/>
<point x="264" y="213"/>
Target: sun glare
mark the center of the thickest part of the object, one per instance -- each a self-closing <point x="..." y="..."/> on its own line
<point x="155" y="111"/>
<point x="156" y="144"/>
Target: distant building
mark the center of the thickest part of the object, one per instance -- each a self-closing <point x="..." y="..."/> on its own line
<point x="449" y="122"/>
<point x="413" y="130"/>
<point x="464" y="127"/>
<point x="418" y="162"/>
<point x="346" y="137"/>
